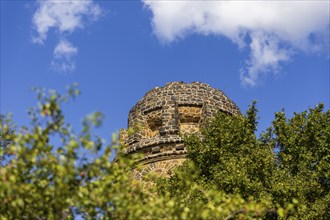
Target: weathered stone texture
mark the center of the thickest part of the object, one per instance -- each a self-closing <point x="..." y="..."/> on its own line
<point x="159" y="168"/>
<point x="163" y="116"/>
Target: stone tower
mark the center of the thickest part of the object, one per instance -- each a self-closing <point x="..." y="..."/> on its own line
<point x="163" y="116"/>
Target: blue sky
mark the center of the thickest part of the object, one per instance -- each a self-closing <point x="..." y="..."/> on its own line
<point x="274" y="52"/>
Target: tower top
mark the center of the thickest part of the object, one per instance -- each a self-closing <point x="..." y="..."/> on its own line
<point x="165" y="114"/>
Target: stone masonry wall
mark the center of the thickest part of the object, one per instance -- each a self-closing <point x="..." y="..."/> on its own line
<point x="163" y="116"/>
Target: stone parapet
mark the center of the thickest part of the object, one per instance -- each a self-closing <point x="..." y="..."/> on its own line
<point x="157" y="123"/>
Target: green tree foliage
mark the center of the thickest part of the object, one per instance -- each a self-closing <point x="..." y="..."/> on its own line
<point x="6" y="135"/>
<point x="303" y="144"/>
<point x="49" y="171"/>
<point x="286" y="171"/>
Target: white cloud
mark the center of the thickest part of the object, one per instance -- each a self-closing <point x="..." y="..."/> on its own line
<point x="265" y="57"/>
<point x="64" y="17"/>
<point x="63" y="56"/>
<point x="272" y="30"/>
<point x="64" y="49"/>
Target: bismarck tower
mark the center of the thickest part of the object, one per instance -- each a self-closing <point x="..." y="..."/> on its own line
<point x="161" y="119"/>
